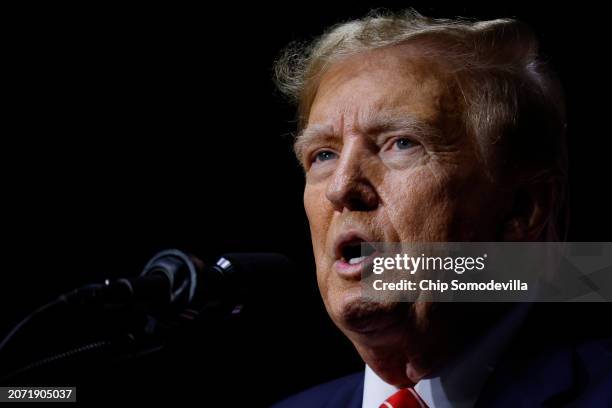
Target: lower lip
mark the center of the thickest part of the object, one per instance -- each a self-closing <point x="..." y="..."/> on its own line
<point x="350" y="271"/>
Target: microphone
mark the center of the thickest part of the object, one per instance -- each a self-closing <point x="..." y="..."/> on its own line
<point x="174" y="286"/>
<point x="173" y="281"/>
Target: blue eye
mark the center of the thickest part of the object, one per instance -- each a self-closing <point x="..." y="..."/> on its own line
<point x="324" y="155"/>
<point x="404" y="143"/>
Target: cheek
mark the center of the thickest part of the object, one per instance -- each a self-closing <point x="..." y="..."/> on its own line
<point x="319" y="219"/>
<point x="318" y="213"/>
<point x="418" y="206"/>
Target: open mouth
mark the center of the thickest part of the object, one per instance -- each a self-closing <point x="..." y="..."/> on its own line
<point x="355" y="251"/>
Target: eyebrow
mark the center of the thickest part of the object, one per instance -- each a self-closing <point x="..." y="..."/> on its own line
<point x="309" y="134"/>
<point x="372" y="126"/>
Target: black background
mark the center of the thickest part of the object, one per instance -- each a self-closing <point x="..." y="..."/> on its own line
<point x="133" y="129"/>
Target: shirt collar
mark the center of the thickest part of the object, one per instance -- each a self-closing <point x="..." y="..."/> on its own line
<point x="375" y="390"/>
<point x="459" y="383"/>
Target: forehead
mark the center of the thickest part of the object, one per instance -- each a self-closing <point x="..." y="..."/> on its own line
<point x="393" y="80"/>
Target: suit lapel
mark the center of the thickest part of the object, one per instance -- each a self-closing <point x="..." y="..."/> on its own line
<point x="357" y="399"/>
<point x="545" y="379"/>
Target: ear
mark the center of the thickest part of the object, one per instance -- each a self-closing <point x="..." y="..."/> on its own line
<point x="530" y="212"/>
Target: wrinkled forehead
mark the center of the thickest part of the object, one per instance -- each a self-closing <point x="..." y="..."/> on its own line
<point x="389" y="82"/>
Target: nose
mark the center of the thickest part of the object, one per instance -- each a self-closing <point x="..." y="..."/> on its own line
<point x="350" y="187"/>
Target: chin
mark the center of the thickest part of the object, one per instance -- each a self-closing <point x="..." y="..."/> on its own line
<point x="352" y="313"/>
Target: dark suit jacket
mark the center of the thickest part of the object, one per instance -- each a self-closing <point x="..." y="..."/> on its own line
<point x="542" y="368"/>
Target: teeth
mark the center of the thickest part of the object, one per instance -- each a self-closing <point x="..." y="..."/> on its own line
<point x="354" y="261"/>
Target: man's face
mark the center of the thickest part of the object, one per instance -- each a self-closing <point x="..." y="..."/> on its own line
<point x="388" y="159"/>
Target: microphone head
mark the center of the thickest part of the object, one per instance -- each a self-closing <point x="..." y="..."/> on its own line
<point x="256" y="266"/>
<point x="180" y="272"/>
<point x="246" y="276"/>
<point x="235" y="279"/>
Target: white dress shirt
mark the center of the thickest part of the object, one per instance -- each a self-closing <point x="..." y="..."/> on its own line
<point x="459" y="383"/>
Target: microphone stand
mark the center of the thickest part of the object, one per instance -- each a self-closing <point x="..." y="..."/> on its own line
<point x="125" y="319"/>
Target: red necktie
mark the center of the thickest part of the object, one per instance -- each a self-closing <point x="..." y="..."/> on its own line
<point x="404" y="398"/>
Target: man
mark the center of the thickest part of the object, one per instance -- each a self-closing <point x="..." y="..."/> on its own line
<point x="414" y="129"/>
